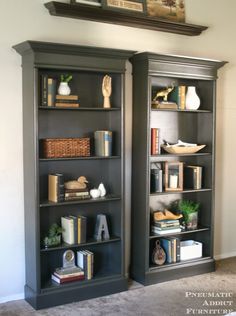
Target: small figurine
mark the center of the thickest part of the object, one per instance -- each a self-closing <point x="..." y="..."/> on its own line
<point x="159" y="216"/>
<point x="106" y="91"/>
<point x="81" y="183"/>
<point x="99" y="192"/>
<point x="163" y="93"/>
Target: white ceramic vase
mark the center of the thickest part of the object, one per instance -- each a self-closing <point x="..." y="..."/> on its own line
<point x="63" y="88"/>
<point x="102" y="189"/>
<point x="192" y="99"/>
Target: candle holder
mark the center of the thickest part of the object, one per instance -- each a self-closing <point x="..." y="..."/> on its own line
<point x="173" y="180"/>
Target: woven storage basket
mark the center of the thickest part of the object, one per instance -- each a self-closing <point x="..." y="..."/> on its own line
<point x="66" y="147"/>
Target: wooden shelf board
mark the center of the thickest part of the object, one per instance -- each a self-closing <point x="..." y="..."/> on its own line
<point x="90" y="242"/>
<point x="182" y="192"/>
<point x="86" y="12"/>
<point x="200" y="229"/>
<point x="182" y="111"/>
<point x="52" y="286"/>
<point x="107" y="198"/>
<point x="168" y="266"/>
<point x="54" y="108"/>
<point x="78" y="158"/>
<point x="179" y="155"/>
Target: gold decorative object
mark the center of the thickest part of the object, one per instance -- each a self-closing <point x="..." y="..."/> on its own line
<point x="159" y="216"/>
<point x="163" y="94"/>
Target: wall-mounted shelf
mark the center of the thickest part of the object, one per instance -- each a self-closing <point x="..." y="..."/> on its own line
<point x="85" y="12"/>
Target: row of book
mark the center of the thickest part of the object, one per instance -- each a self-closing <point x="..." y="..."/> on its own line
<point x="50" y="98"/>
<point x="155" y="141"/>
<point x="163" y="227"/>
<point x="74" y="229"/>
<point x="83" y="271"/>
<point x="171" y="246"/>
<point x="192" y="177"/>
<point x="58" y="193"/>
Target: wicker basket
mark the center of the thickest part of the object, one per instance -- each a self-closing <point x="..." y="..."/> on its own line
<point x="66" y="147"/>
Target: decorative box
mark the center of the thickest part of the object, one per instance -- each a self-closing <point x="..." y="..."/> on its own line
<point x="190" y="249"/>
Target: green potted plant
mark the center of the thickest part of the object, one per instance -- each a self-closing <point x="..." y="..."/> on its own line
<point x="189" y="209"/>
<point x="64" y="88"/>
<point x="54" y="236"/>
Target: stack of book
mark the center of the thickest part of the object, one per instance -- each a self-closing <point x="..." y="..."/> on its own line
<point x="56" y="188"/>
<point x="61" y="275"/>
<point x="166" y="226"/>
<point x="48" y="90"/>
<point x="76" y="194"/>
<point x="67" y="101"/>
<point x="85" y="260"/>
<point x="171" y="247"/>
<point x="178" y="95"/>
<point x="193" y="177"/>
<point x="155" y="141"/>
<point x="74" y="229"/>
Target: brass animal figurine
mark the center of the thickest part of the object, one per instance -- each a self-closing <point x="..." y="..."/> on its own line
<point x="163" y="93"/>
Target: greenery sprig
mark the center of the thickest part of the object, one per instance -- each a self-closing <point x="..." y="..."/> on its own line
<point x="66" y="78"/>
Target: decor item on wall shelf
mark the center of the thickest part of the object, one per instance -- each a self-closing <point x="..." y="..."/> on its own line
<point x="173" y="10"/>
<point x="137" y="6"/>
<point x="101" y="228"/>
<point x="64" y="88"/>
<point x="106" y="91"/>
<point x="192" y="99"/>
<point x="96" y="3"/>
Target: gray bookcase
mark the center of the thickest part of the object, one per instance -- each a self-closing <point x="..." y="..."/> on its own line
<point x="152" y="72"/>
<point x="88" y="65"/>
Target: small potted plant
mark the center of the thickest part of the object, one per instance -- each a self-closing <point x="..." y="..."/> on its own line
<point x="64" y="88"/>
<point x="189" y="209"/>
<point x="54" y="236"/>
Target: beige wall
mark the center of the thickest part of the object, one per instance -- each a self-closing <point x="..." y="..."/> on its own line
<point x="27" y="19"/>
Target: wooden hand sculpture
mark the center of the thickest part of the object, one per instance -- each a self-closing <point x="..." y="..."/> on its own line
<point x="106" y="91"/>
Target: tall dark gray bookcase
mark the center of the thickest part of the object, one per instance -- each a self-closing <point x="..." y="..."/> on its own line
<point x="151" y="73"/>
<point x="88" y="65"/>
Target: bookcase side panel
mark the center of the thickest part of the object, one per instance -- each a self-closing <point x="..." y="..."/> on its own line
<point x="30" y="155"/>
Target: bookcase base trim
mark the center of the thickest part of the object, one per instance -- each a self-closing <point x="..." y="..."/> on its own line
<point x="65" y="296"/>
<point x="178" y="272"/>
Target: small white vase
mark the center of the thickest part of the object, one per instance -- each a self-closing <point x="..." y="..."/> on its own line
<point x="192" y="99"/>
<point x="95" y="193"/>
<point x="102" y="189"/>
<point x="64" y="88"/>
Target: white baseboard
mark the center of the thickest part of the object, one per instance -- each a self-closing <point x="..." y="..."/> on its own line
<point x="15" y="297"/>
<point x="225" y="255"/>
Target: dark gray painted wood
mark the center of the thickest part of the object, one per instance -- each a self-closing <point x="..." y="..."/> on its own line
<point x="133" y="19"/>
<point x="88" y="66"/>
<point x="151" y="72"/>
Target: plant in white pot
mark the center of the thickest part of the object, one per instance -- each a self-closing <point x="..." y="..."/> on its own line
<point x="64" y="88"/>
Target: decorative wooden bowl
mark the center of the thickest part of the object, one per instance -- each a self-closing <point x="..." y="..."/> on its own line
<point x="182" y="149"/>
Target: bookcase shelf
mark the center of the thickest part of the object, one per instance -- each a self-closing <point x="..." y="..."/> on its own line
<point x="78" y="158"/>
<point x="89" y="242"/>
<point x="88" y="66"/>
<point x="48" y="108"/>
<point x="180" y="192"/>
<point x="200" y="229"/>
<point x="107" y="198"/>
<point x="151" y="73"/>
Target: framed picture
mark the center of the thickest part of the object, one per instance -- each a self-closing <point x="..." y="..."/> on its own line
<point x="95" y="3"/>
<point x="173" y="176"/>
<point x="167" y="9"/>
<point x="135" y="6"/>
